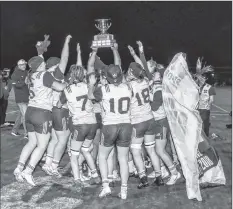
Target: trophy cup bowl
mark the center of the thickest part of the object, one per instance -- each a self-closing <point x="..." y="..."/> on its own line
<point x="103" y="25"/>
<point x="103" y="39"/>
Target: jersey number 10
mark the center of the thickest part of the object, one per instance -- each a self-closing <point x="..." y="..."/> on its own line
<point x="120" y="105"/>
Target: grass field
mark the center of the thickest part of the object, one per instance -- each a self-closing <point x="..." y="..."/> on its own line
<point x="60" y="194"/>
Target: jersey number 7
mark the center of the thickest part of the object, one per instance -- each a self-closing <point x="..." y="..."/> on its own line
<point x="84" y="98"/>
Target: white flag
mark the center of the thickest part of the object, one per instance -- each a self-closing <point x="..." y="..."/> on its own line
<point x="180" y="99"/>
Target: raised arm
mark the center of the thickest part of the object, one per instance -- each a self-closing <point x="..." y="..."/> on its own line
<point x="134" y="55"/>
<point x="79" y="57"/>
<point x="42" y="46"/>
<point x="143" y="59"/>
<point x="199" y="65"/>
<point x="91" y="87"/>
<point x="91" y="61"/>
<point x="65" y="54"/>
<point x="116" y="55"/>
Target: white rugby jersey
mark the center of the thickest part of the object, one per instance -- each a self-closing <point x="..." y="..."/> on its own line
<point x="204" y="102"/>
<point x="40" y="90"/>
<point x="115" y="102"/>
<point x="140" y="109"/>
<point x="80" y="107"/>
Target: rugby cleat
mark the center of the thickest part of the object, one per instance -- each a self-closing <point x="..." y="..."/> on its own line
<point x="84" y="178"/>
<point x="15" y="134"/>
<point x="164" y="172"/>
<point x="29" y="178"/>
<point x="105" y="191"/>
<point x="56" y="173"/>
<point x="123" y="193"/>
<point x="47" y="169"/>
<point x="173" y="179"/>
<point x="159" y="181"/>
<point x="143" y="182"/>
<point x="18" y="176"/>
<point x="134" y="174"/>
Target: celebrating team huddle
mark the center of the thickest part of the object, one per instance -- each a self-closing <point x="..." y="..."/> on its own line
<point x="100" y="114"/>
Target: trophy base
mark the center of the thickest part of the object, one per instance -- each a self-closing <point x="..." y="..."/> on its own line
<point x="103" y="41"/>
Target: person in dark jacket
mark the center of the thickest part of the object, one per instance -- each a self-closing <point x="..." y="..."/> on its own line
<point x="21" y="95"/>
<point x="5" y="91"/>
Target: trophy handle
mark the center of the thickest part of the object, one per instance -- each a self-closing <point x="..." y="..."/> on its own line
<point x="109" y="25"/>
<point x="97" y="27"/>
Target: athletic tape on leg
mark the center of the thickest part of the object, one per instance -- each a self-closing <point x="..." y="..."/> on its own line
<point x="136" y="146"/>
<point x="74" y="152"/>
<point x="149" y="144"/>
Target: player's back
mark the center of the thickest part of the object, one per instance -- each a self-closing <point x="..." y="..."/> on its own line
<point x="116" y="104"/>
<point x="40" y="95"/>
<point x="140" y="108"/>
<point x="80" y="107"/>
<point x="157" y="102"/>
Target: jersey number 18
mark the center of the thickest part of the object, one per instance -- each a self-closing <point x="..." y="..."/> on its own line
<point x="145" y="96"/>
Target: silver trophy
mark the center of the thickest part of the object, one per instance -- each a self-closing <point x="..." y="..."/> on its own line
<point x="103" y="39"/>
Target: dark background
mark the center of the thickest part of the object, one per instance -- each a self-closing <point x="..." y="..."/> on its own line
<point x="165" y="28"/>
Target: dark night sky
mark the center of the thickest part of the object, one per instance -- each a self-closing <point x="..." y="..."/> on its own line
<point x="165" y="28"/>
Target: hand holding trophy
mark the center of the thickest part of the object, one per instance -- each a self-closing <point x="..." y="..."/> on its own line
<point x="114" y="46"/>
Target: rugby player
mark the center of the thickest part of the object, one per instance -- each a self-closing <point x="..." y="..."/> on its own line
<point x="143" y="121"/>
<point x="207" y="93"/>
<point x="83" y="122"/>
<point x="117" y="129"/>
<point x="38" y="117"/>
<point x="99" y="67"/>
<point x="161" y="123"/>
<point x="60" y="132"/>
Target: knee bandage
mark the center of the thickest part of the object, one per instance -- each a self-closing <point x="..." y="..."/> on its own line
<point x="136" y="146"/>
<point x="86" y="149"/>
<point x="149" y="144"/>
<point x="74" y="152"/>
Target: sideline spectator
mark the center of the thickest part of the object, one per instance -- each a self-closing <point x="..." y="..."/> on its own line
<point x="6" y="87"/>
<point x="21" y="95"/>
